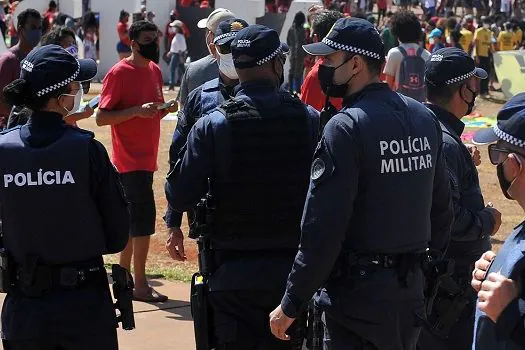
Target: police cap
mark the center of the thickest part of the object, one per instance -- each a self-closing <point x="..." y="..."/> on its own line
<point x="260" y="43"/>
<point x="510" y="126"/>
<point x="449" y="66"/>
<point x="50" y="67"/>
<point x="227" y="30"/>
<point x="354" y="35"/>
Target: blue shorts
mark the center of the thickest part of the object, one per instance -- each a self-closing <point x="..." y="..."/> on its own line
<point x="123" y="48"/>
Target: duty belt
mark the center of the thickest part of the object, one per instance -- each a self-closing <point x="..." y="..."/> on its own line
<point x="35" y="280"/>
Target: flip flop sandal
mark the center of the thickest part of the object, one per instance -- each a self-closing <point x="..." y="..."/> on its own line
<point x="151" y="297"/>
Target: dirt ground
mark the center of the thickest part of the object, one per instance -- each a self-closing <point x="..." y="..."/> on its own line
<point x="512" y="214"/>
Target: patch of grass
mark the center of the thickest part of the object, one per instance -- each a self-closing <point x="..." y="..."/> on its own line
<point x="181" y="272"/>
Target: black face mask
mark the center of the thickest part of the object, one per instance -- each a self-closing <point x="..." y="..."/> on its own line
<point x="471" y="103"/>
<point x="326" y="79"/>
<point x="281" y="76"/>
<point x="150" y="51"/>
<point x="503" y="183"/>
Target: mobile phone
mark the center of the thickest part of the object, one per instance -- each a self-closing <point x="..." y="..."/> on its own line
<point x="167" y="105"/>
<point x="94" y="102"/>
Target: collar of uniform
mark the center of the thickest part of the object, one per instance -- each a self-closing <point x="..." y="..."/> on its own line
<point x="449" y="119"/>
<point x="352" y="99"/>
<point x="256" y="86"/>
<point x="46" y="119"/>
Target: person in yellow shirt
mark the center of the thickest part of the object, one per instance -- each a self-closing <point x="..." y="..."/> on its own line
<point x="483" y="46"/>
<point x="466" y="40"/>
<point x="518" y="37"/>
<point x="505" y="40"/>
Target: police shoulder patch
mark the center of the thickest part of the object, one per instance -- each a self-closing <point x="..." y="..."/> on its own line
<point x="318" y="168"/>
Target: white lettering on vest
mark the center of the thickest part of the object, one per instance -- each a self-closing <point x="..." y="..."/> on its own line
<point x="39" y="178"/>
<point x="417" y="150"/>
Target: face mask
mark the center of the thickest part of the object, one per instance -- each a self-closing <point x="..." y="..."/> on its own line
<point x="326" y="78"/>
<point x="149" y="51"/>
<point x="431" y="40"/>
<point x="73" y="50"/>
<point x="504" y="183"/>
<point x="486" y="26"/>
<point x="33" y="36"/>
<point x="76" y="105"/>
<point x="449" y="40"/>
<point x="226" y="65"/>
<point x="470" y="105"/>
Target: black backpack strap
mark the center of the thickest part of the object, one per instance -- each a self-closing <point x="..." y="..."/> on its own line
<point x="420" y="52"/>
<point x="403" y="51"/>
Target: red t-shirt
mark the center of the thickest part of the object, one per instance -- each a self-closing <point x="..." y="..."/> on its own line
<point x="381" y="4"/>
<point x="9" y="71"/>
<point x="122" y="29"/>
<point x="135" y="142"/>
<point x="311" y="92"/>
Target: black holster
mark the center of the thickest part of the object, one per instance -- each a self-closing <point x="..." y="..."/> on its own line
<point x="200" y="311"/>
<point x="123" y="292"/>
<point x="451" y="300"/>
<point x="6" y="272"/>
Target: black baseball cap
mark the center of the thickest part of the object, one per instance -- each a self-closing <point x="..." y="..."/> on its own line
<point x="260" y="43"/>
<point x="227" y="30"/>
<point x="449" y="66"/>
<point x="355" y="35"/>
<point x="510" y="125"/>
<point x="50" y="67"/>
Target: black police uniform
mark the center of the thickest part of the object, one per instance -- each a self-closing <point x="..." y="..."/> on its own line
<point x="202" y="100"/>
<point x="509" y="330"/>
<point x="62" y="209"/>
<point x="378" y="197"/>
<point x="257" y="150"/>
<point x="473" y="223"/>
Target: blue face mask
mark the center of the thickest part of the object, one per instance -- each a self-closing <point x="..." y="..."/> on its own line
<point x="33" y="36"/>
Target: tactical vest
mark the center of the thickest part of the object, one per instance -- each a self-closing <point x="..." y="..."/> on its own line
<point x="47" y="208"/>
<point x="211" y="96"/>
<point x="470" y="198"/>
<point x="397" y="142"/>
<point x="260" y="204"/>
<point x="509" y="262"/>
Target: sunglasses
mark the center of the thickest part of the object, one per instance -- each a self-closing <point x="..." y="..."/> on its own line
<point x="499" y="155"/>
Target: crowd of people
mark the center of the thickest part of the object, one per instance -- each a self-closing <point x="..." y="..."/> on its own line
<point x="294" y="167"/>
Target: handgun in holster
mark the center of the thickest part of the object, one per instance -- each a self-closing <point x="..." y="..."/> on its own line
<point x="123" y="292"/>
<point x="200" y="310"/>
<point x="435" y="269"/>
<point x="6" y="274"/>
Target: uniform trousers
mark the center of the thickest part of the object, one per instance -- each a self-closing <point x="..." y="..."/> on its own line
<point x="241" y="321"/>
<point x="98" y="341"/>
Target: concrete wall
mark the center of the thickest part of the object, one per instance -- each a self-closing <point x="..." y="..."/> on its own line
<point x="72" y="8"/>
<point x="248" y="10"/>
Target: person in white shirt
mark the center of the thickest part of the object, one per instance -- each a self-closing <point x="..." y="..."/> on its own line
<point x="177" y="53"/>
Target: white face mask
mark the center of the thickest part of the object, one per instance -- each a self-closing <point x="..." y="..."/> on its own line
<point x="78" y="99"/>
<point x="486" y="26"/>
<point x="226" y="65"/>
<point x="431" y="40"/>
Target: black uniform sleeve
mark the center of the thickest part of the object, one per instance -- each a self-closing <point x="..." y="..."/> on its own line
<point x="441" y="213"/>
<point x="468" y="225"/>
<point x="107" y="191"/>
<point x="511" y="323"/>
<point x="186" y="120"/>
<point x="329" y="204"/>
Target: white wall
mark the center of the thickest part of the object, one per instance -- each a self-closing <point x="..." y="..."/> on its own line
<point x="248" y="10"/>
<point x="109" y="13"/>
<point x="72" y="8"/>
<point x="39" y="5"/>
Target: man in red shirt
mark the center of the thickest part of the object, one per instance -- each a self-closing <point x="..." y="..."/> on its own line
<point x="29" y="29"/>
<point x="311" y="93"/>
<point x="130" y="101"/>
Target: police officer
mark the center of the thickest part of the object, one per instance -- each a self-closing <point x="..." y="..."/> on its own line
<point x="452" y="81"/>
<point x="378" y="197"/>
<point x="256" y="149"/>
<point x="498" y="279"/>
<point x="203" y="100"/>
<point x="62" y="209"/>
